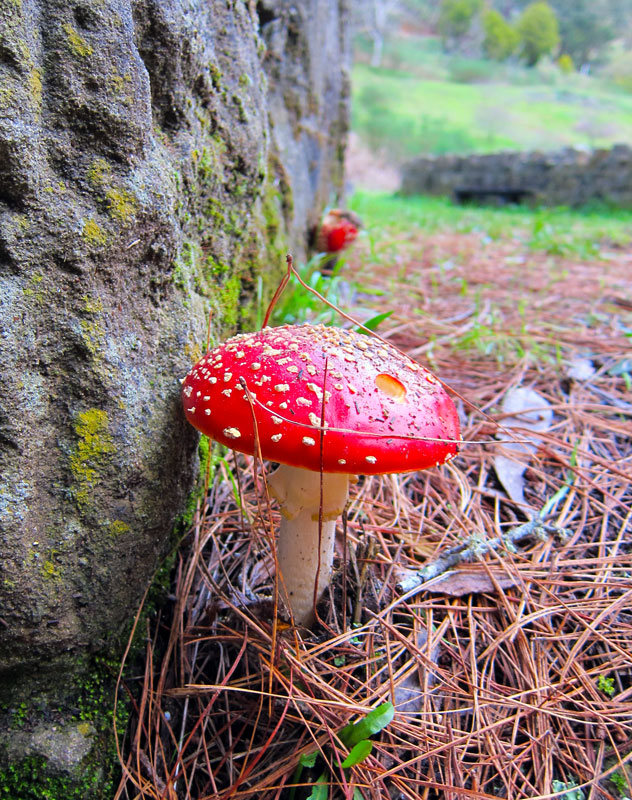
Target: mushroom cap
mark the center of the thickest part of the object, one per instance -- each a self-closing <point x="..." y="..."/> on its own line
<point x="338" y="229"/>
<point x="382" y="411"/>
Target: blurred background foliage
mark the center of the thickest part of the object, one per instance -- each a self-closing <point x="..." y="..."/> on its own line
<point x="482" y="75"/>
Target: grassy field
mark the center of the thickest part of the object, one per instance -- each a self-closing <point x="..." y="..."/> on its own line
<point x="589" y="232"/>
<point x="424" y="101"/>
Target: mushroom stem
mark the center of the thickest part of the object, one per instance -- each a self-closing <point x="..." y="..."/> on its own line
<point x="305" y="548"/>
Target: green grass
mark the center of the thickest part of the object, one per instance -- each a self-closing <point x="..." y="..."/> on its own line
<point x="583" y="233"/>
<point x="297" y="304"/>
<point x="403" y="114"/>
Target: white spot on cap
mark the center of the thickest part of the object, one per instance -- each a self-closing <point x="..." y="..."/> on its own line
<point x="311" y="369"/>
<point x="227" y="392"/>
<point x="303" y="401"/>
<point x="342" y="460"/>
<point x="276" y="420"/>
<point x="371" y="459"/>
<point x="307" y="440"/>
<point x="313" y="387"/>
<point x="292" y="368"/>
<point x="227" y="376"/>
<point x="314" y="419"/>
<point x="232" y="433"/>
<point x="282" y="387"/>
<point x="276" y="437"/>
<point x="255" y="366"/>
<point x="212" y="379"/>
<point x="207" y="411"/>
<point x="187" y="391"/>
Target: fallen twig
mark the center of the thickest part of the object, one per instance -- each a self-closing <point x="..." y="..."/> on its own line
<point x="476" y="546"/>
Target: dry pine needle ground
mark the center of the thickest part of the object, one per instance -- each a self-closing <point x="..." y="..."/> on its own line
<point x="510" y="676"/>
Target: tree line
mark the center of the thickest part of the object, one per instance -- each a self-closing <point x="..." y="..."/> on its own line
<point x="577" y="33"/>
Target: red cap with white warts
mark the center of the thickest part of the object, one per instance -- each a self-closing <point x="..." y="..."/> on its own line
<point x="338" y="229"/>
<point x="380" y="411"/>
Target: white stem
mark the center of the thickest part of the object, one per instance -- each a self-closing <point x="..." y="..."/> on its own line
<point x="305" y="548"/>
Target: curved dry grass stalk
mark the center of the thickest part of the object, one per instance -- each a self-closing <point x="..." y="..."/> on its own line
<point x="511" y="675"/>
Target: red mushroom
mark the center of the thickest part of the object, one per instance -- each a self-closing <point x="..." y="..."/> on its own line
<point x="338" y="229"/>
<point x="328" y="401"/>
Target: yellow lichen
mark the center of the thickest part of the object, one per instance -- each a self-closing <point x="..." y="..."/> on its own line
<point x="93" y="234"/>
<point x="118" y="527"/>
<point x="35" y="85"/>
<point x="50" y="570"/>
<point x="91" y="452"/>
<point x="93" y="336"/>
<point x="6" y="96"/>
<point x="122" y="204"/>
<point x="76" y="42"/>
<point x="93" y="305"/>
<point x="99" y="172"/>
<point x="121" y="86"/>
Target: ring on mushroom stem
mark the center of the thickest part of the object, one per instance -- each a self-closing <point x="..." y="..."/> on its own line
<point x="325" y="400"/>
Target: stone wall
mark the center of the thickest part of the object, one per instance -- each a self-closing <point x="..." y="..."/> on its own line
<point x="157" y="160"/>
<point x="569" y="177"/>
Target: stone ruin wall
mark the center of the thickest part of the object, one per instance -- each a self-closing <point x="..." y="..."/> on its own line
<point x="569" y="177"/>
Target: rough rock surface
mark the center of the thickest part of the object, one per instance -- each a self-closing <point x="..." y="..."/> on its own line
<point x="156" y="159"/>
<point x="572" y="176"/>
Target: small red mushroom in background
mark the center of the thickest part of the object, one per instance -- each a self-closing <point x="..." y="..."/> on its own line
<point x="327" y="403"/>
<point x="337" y="230"/>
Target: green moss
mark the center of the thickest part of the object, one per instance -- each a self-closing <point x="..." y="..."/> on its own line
<point x="96" y="776"/>
<point x="214" y="209"/>
<point x="208" y="165"/>
<point x="29" y="781"/>
<point x="228" y="300"/>
<point x="90" y="454"/>
<point x="237" y="101"/>
<point x="77" y="44"/>
<point x="210" y="455"/>
<point x="93" y="234"/>
<point x="216" y="267"/>
<point x="216" y="76"/>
